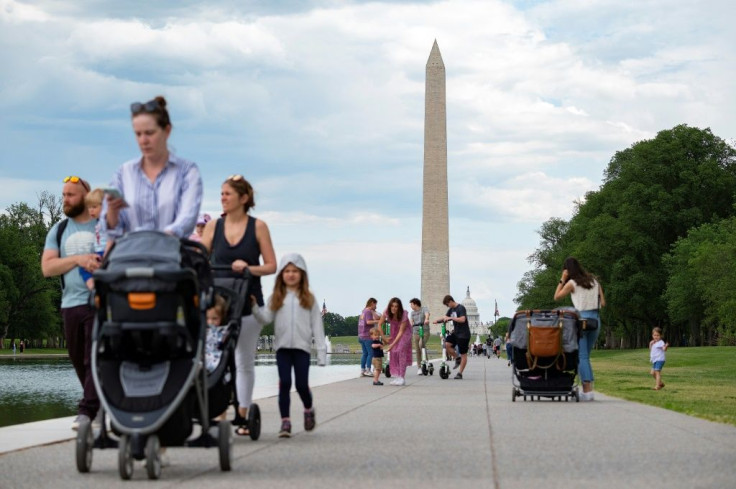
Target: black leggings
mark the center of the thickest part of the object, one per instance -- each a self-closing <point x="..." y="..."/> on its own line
<point x="286" y="358"/>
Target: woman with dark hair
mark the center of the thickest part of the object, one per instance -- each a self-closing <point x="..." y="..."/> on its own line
<point x="157" y="190"/>
<point x="399" y="340"/>
<point x="587" y="297"/>
<point x="368" y="319"/>
<point x="239" y="240"/>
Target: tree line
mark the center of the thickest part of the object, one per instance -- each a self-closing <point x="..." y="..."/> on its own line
<point x="29" y="302"/>
<point x="660" y="234"/>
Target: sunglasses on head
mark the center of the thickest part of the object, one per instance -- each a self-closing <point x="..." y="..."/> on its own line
<point x="76" y="179"/>
<point x="235" y="178"/>
<point x="150" y="106"/>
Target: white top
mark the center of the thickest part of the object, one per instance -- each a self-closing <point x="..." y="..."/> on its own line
<point x="585" y="299"/>
<point x="656" y="352"/>
<point x="294" y="326"/>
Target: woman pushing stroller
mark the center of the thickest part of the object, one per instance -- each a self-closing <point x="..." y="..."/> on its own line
<point x="239" y="241"/>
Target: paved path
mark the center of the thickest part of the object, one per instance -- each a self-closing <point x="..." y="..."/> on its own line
<point x="432" y="433"/>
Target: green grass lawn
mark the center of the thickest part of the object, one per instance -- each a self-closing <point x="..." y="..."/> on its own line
<point x="35" y="351"/>
<point x="352" y="342"/>
<point x="699" y="381"/>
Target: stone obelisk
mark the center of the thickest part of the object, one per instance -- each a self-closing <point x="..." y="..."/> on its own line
<point x="435" y="230"/>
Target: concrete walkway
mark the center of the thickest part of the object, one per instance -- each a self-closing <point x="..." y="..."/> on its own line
<point x="432" y="433"/>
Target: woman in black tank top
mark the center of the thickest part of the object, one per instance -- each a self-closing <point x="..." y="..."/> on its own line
<point x="240" y="240"/>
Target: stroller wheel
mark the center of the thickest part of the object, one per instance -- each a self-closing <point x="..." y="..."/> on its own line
<point x="513" y="394"/>
<point x="425" y="371"/>
<point x="254" y="421"/>
<point x="225" y="441"/>
<point x="85" y="442"/>
<point x="125" y="459"/>
<point x="431" y="369"/>
<point x="387" y="371"/>
<point x="153" y="457"/>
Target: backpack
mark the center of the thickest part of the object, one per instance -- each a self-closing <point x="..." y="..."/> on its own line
<point x="59" y="232"/>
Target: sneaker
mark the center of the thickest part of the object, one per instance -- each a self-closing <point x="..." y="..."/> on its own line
<point x="309" y="421"/>
<point x="285" y="431"/>
<point x="458" y="376"/>
<point x="81" y="418"/>
<point x="377" y="382"/>
<point x="97" y="422"/>
<point x="163" y="457"/>
<point x="586" y="396"/>
<point x="400" y="381"/>
<point x="457" y="362"/>
<point x="393" y="382"/>
<point x="419" y="372"/>
<point x="367" y="373"/>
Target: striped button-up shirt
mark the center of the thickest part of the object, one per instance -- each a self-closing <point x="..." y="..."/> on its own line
<point x="170" y="203"/>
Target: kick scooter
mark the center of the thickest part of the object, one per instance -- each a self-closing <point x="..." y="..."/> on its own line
<point x="387" y="333"/>
<point x="444" y="368"/>
<point x="427" y="367"/>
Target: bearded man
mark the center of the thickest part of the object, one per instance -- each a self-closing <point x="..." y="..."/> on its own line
<point x="62" y="257"/>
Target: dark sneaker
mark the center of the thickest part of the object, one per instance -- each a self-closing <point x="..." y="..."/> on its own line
<point x="459" y="376"/>
<point x="309" y="422"/>
<point x="378" y="382"/>
<point x="285" y="431"/>
<point x="457" y="362"/>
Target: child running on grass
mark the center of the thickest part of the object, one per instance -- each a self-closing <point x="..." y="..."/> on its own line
<point x="377" y="347"/>
<point x="657" y="347"/>
<point x="297" y="320"/>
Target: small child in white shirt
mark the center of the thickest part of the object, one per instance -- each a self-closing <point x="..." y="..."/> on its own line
<point x="657" y="347"/>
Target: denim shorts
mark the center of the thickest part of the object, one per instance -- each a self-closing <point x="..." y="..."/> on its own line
<point x="658" y="365"/>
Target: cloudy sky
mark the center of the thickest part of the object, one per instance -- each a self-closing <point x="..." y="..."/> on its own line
<point x="320" y="104"/>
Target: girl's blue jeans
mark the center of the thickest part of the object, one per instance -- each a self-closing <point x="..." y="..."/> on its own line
<point x="586" y="342"/>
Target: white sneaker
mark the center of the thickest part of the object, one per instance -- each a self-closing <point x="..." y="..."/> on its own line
<point x="400" y="381"/>
<point x="419" y="372"/>
<point x="586" y="396"/>
<point x="81" y="418"/>
<point x="164" y="458"/>
<point x="393" y="382"/>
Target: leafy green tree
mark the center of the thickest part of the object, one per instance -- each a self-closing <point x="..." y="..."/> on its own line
<point x="335" y="325"/>
<point x="31" y="302"/>
<point x="500" y="327"/>
<point x="652" y="194"/>
<point x="701" y="290"/>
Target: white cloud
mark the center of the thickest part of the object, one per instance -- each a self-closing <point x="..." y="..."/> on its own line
<point x="321" y="105"/>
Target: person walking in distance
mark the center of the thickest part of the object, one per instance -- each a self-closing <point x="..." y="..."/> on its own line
<point x="657" y="347"/>
<point x="587" y="297"/>
<point x="457" y="314"/>
<point x="368" y="319"/>
<point x="61" y="256"/>
<point x="399" y="341"/>
<point x="419" y="317"/>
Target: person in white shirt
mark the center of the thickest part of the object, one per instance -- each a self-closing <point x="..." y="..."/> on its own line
<point x="587" y="297"/>
<point x="657" y="347"/>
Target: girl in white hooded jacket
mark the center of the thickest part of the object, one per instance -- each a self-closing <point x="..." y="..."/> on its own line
<point x="297" y="319"/>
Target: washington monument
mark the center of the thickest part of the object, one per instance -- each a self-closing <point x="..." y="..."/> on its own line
<point x="435" y="230"/>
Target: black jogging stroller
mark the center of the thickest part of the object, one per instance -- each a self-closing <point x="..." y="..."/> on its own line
<point x="234" y="288"/>
<point x="221" y="382"/>
<point x="147" y="351"/>
<point x="545" y="354"/>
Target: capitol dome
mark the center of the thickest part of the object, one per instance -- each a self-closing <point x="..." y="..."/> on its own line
<point x="471" y="309"/>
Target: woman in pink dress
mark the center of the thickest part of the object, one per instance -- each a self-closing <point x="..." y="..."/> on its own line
<point x="399" y="340"/>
